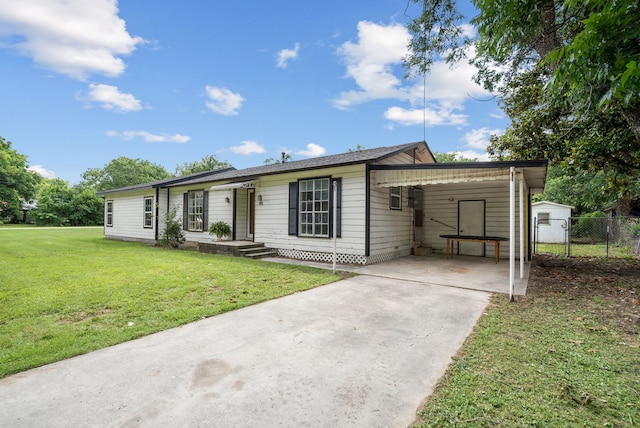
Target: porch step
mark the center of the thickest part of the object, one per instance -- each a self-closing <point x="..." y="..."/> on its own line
<point x="236" y="248"/>
<point x="257" y="251"/>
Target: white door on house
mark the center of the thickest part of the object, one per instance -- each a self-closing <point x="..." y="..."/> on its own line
<point x="251" y="212"/>
<point x="471" y="223"/>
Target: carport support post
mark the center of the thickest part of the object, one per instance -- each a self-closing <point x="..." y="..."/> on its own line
<point x="512" y="229"/>
<point x="521" y="195"/>
<point x="335" y="223"/>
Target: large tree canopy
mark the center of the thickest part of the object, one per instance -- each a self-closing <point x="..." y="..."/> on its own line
<point x="568" y="73"/>
<point x="123" y="172"/>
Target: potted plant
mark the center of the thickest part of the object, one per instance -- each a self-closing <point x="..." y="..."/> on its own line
<point x="220" y="229"/>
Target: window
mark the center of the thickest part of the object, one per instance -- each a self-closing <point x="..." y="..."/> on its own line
<point x="109" y="219"/>
<point x="148" y="211"/>
<point x="314" y="207"/>
<point x="195" y="210"/>
<point x="543" y="218"/>
<point x="395" y="197"/>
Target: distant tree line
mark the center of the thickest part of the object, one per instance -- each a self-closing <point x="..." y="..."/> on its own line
<point x="26" y="196"/>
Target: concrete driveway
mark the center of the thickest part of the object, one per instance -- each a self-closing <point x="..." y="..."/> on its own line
<point x="362" y="352"/>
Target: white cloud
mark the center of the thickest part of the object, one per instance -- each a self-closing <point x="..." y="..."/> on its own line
<point x="223" y="101"/>
<point x="428" y="116"/>
<point x="285" y="55"/>
<point x="42" y="171"/>
<point x="374" y="63"/>
<point x="248" y="148"/>
<point x="370" y="63"/>
<point x="110" y="98"/>
<point x="313" y="150"/>
<point x="479" y="138"/>
<point x="71" y="37"/>
<point x="149" y="137"/>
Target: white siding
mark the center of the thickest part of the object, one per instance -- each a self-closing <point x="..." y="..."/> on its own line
<point x="272" y="216"/>
<point x="128" y="216"/>
<point x="390" y="230"/>
<point x="441" y="204"/>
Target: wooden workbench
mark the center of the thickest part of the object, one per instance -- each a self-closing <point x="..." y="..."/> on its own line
<point x="451" y="239"/>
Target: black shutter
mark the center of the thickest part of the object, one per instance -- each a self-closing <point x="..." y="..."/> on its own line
<point x="205" y="211"/>
<point x="293" y="208"/>
<point x="185" y="211"/>
<point x="338" y="203"/>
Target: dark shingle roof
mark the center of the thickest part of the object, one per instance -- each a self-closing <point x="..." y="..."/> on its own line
<point x="349" y="158"/>
<point x="170" y="181"/>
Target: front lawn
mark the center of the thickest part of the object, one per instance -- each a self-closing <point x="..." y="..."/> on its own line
<point x="65" y="292"/>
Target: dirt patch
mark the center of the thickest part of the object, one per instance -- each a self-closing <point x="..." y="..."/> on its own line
<point x="615" y="282"/>
<point x="81" y="316"/>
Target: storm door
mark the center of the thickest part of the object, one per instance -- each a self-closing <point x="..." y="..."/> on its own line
<point x="471" y="217"/>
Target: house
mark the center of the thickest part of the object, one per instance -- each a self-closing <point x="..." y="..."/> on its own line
<point x="387" y="202"/>
<point x="551" y="222"/>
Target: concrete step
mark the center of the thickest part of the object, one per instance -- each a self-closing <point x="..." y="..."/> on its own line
<point x="261" y="254"/>
<point x="256" y="251"/>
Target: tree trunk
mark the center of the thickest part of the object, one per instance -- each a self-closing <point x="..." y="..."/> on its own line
<point x="631" y="114"/>
<point x="623" y="207"/>
<point x="548" y="39"/>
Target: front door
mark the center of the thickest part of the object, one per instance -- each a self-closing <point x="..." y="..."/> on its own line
<point x="471" y="223"/>
<point x="251" y="212"/>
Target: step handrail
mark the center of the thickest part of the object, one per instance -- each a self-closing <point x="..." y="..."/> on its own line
<point x="444" y="224"/>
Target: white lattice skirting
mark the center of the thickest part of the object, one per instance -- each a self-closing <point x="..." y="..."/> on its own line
<point x="352" y="259"/>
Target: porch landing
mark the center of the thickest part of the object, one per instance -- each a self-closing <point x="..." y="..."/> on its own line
<point x="475" y="273"/>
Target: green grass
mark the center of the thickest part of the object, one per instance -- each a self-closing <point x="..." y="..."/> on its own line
<point x="65" y="292"/>
<point x="542" y="362"/>
<point x="585" y="250"/>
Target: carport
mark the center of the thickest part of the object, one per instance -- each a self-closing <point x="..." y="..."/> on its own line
<point x="519" y="179"/>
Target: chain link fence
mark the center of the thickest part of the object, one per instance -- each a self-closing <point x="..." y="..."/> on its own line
<point x="588" y="237"/>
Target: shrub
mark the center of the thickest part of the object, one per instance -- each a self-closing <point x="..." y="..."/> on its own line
<point x="172" y="235"/>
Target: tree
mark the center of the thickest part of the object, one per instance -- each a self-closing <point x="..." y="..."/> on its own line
<point x="286" y="157"/>
<point x="358" y="148"/>
<point x="17" y="183"/>
<point x="585" y="191"/>
<point x="123" y="172"/>
<point x="60" y="204"/>
<point x="451" y="157"/>
<point x="207" y="163"/>
<point x="585" y="54"/>
<point x="542" y="128"/>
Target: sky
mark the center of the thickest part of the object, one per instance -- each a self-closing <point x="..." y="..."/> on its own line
<point x="83" y="82"/>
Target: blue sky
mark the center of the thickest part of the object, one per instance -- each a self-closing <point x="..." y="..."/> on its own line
<point x="85" y="81"/>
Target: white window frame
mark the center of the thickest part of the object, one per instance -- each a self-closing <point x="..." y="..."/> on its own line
<point x="109" y="213"/>
<point x="314" y="199"/>
<point x="195" y="210"/>
<point x="543" y="218"/>
<point x="148" y="212"/>
<point x="395" y="197"/>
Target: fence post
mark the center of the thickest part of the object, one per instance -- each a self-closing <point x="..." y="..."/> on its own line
<point x="608" y="224"/>
<point x="570" y="236"/>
